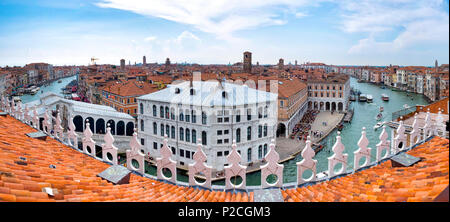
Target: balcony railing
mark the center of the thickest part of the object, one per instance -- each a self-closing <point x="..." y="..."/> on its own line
<point x="135" y="158"/>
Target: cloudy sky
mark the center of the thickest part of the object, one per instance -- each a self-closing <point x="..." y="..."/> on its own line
<point x="338" y="32"/>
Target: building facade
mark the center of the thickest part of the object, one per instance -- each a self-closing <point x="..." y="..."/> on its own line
<point x="214" y="112"/>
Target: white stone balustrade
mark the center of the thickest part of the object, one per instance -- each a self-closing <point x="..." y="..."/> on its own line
<point x="46" y="124"/>
<point x="272" y="167"/>
<point x="13" y="108"/>
<point x="337" y="157"/>
<point x="19" y="111"/>
<point x="26" y="115"/>
<point x="8" y="106"/>
<point x="200" y="166"/>
<point x="109" y="151"/>
<point x="308" y="163"/>
<point x="235" y="169"/>
<point x="57" y="128"/>
<point x="383" y="145"/>
<point x="362" y="152"/>
<point x="135" y="157"/>
<point x="166" y="162"/>
<point x="400" y="138"/>
<point x="88" y="142"/>
<point x="71" y="134"/>
<point x="427" y="128"/>
<point x="440" y="125"/>
<point x="414" y="136"/>
<point x="35" y="118"/>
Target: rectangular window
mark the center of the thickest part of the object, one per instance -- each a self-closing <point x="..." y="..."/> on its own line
<point x="219" y="141"/>
<point x="181" y="152"/>
<point x="219" y="120"/>
<point x="219" y="132"/>
<point x="227" y="119"/>
<point x="142" y="142"/>
<point x="219" y="153"/>
<point x="226" y="141"/>
<point x="188" y="154"/>
<point x="226" y="153"/>
<point x="155" y="145"/>
<point x="226" y="132"/>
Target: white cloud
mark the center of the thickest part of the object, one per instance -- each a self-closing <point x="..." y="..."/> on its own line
<point x="150" y="38"/>
<point x="300" y="14"/>
<point x="414" y="21"/>
<point x="219" y="17"/>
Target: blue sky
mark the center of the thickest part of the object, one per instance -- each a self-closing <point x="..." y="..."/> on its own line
<point x="338" y="32"/>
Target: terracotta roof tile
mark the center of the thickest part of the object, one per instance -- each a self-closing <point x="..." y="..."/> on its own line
<point x="74" y="178"/>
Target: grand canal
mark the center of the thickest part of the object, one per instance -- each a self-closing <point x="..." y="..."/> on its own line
<point x="53" y="87"/>
<point x="364" y="116"/>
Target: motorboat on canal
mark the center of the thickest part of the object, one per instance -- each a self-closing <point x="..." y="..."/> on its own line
<point x="381" y="109"/>
<point x="362" y="98"/>
<point x="379" y="116"/>
<point x="378" y="125"/>
<point x="384" y="97"/>
<point x="369" y="98"/>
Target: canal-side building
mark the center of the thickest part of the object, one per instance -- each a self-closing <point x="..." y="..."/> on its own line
<point x="122" y="95"/>
<point x="330" y="93"/>
<point x="292" y="104"/>
<point x="216" y="112"/>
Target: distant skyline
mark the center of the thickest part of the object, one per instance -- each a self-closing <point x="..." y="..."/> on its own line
<point x="337" y="32"/>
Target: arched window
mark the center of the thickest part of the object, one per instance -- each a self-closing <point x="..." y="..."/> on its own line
<point x="167" y="112"/>
<point x="249" y="155"/>
<point x="100" y="126"/>
<point x="187" y="116"/>
<point x="249" y="133"/>
<point x="181" y="115"/>
<point x="78" y="122"/>
<point x="194" y="136"/>
<point x="155" y="128"/>
<point x="141" y="107"/>
<point x="112" y="124"/>
<point x="265" y="112"/>
<point x="121" y="128"/>
<point x="265" y="129"/>
<point x="162" y="129"/>
<point x="181" y="133"/>
<point x="260" y="152"/>
<point x="161" y="111"/>
<point x="188" y="135"/>
<point x="204" y="138"/>
<point x="238" y="135"/>
<point x="172" y="132"/>
<point x="238" y="116"/>
<point x="203" y="118"/>
<point x="265" y="149"/>
<point x="167" y="130"/>
<point x="154" y="110"/>
<point x="249" y="114"/>
<point x="259" y="131"/>
<point x="142" y="125"/>
<point x="130" y="129"/>
<point x="172" y="113"/>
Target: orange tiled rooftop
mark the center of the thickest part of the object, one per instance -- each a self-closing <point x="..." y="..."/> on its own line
<point x="74" y="178"/>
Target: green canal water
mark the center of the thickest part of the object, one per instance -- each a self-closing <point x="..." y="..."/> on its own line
<point x="53" y="87"/>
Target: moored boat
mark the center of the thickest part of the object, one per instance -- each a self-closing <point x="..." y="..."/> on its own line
<point x="362" y="98"/>
<point x="369" y="98"/>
